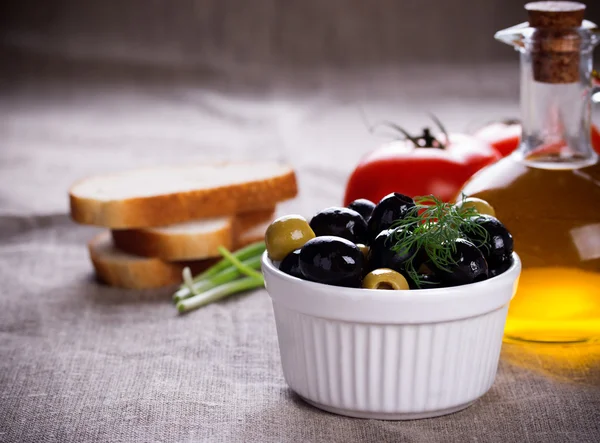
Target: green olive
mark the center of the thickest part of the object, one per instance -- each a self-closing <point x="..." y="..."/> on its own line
<point x="364" y="249"/>
<point x="480" y="205"/>
<point x="384" y="278"/>
<point x="286" y="234"/>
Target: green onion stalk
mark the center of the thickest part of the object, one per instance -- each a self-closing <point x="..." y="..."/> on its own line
<point x="219" y="292"/>
<point x="237" y="272"/>
<point x="253" y="250"/>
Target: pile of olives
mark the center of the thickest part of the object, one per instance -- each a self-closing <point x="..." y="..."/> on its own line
<point x="354" y="247"/>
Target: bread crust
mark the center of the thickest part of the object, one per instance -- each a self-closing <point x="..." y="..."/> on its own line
<point x="137" y="273"/>
<point x="181" y="245"/>
<point x="174" y="246"/>
<point x="248" y="220"/>
<point x="166" y="209"/>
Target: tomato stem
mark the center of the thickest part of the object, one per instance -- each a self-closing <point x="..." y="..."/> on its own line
<point x="427" y="140"/>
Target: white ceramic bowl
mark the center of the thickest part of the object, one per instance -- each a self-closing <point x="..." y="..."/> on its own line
<point x="393" y="355"/>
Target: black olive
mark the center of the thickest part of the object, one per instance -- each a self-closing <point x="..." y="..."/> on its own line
<point x="391" y="208"/>
<point x="428" y="275"/>
<point x="340" y="222"/>
<point x="381" y="254"/>
<point x="427" y="281"/>
<point x="501" y="268"/>
<point x="469" y="265"/>
<point x="291" y="264"/>
<point x="332" y="261"/>
<point x="498" y="247"/>
<point x="363" y="206"/>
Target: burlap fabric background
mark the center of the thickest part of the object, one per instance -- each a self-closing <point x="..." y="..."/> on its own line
<point x="84" y="362"/>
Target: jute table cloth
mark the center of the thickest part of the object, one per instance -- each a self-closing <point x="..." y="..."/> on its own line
<point x="80" y="361"/>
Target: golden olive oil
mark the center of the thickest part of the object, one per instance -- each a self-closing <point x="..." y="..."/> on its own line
<point x="554" y="217"/>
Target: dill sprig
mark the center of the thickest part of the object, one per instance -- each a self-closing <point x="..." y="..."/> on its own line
<point x="432" y="227"/>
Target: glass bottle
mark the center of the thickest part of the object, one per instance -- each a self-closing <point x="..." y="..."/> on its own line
<point x="547" y="193"/>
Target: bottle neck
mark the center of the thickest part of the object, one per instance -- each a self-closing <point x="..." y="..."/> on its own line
<point x="556" y="118"/>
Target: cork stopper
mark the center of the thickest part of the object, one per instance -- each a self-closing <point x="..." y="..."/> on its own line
<point x="555" y="14"/>
<point x="555" y="43"/>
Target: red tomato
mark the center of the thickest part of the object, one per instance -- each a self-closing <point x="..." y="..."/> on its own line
<point x="505" y="136"/>
<point x="399" y="166"/>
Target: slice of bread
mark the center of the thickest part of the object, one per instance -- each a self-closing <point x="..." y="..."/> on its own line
<point x="168" y="195"/>
<point x="123" y="270"/>
<point x="118" y="268"/>
<point x="192" y="240"/>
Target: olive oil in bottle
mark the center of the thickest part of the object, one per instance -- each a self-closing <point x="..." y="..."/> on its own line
<point x="554" y="217"/>
<point x="547" y="193"/>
